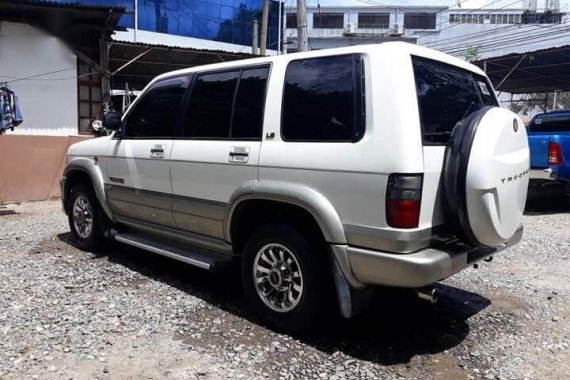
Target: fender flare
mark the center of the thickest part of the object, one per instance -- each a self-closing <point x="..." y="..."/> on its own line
<point x="315" y="203"/>
<point x="89" y="167"/>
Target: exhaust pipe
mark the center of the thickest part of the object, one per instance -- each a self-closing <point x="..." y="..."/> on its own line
<point x="429" y="294"/>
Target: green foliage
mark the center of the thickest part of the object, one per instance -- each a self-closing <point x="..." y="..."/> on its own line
<point x="472" y="53"/>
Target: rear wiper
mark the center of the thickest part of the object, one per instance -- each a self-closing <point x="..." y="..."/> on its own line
<point x="460" y="122"/>
<point x="467" y="110"/>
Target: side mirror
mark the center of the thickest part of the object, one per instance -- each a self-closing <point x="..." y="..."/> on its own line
<point x="112" y="120"/>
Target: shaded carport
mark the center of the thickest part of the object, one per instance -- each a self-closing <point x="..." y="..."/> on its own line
<point x="137" y="63"/>
<point x="538" y="71"/>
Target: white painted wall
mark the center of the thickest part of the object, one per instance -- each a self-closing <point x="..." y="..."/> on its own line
<point x="48" y="101"/>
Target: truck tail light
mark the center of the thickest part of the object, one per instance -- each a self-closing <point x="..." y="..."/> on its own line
<point x="403" y="200"/>
<point x="554" y="153"/>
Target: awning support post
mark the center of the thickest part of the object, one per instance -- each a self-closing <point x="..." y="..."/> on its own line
<point x="510" y="72"/>
<point x="132" y="60"/>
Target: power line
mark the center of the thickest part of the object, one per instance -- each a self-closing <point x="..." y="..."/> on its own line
<point x="509" y="40"/>
<point x="532" y="32"/>
<point x="469" y="36"/>
<point x="439" y="30"/>
<point x="42" y="74"/>
<point x="473" y="11"/>
<point x="405" y="10"/>
<point x="499" y="42"/>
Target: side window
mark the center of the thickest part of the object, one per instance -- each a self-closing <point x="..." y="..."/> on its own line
<point x="227" y="105"/>
<point x="249" y="104"/>
<point x="155" y="113"/>
<point x="323" y="100"/>
<point x="210" y="108"/>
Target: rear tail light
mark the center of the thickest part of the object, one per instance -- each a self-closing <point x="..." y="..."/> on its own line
<point x="554" y="154"/>
<point x="403" y="199"/>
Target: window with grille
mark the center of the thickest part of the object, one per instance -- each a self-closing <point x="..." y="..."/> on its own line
<point x="328" y="20"/>
<point x="373" y="20"/>
<point x="419" y="20"/>
<point x="291" y="20"/>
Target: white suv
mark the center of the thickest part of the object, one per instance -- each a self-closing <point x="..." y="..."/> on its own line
<point x="385" y="165"/>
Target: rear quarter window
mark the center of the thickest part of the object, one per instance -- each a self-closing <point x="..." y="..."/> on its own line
<point x="323" y="100"/>
<point x="446" y="95"/>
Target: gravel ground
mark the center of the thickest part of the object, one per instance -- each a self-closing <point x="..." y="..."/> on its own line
<point x="127" y="314"/>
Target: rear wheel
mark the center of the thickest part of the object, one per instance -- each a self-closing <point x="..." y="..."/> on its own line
<point x="281" y="277"/>
<point x="85" y="218"/>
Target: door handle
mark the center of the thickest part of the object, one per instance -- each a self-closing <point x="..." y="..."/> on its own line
<point x="239" y="154"/>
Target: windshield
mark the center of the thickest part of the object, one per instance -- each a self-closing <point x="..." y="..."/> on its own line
<point x="446" y="95"/>
<point x="550" y="123"/>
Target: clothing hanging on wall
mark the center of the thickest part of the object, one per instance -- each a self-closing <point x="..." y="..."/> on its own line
<point x="10" y="113"/>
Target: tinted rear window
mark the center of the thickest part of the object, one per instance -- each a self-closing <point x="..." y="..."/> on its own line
<point x="446" y="95"/>
<point x="323" y="100"/>
<point x="550" y="123"/>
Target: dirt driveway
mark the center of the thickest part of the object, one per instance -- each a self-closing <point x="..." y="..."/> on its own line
<point x="127" y="314"/>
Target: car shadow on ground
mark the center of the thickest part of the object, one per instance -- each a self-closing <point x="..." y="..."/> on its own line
<point x="546" y="197"/>
<point x="396" y="327"/>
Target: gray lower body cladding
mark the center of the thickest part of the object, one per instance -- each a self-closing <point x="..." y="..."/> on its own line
<point x="364" y="267"/>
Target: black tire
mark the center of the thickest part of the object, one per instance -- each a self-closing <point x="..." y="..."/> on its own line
<point x="311" y="265"/>
<point x="455" y="171"/>
<point x="95" y="239"/>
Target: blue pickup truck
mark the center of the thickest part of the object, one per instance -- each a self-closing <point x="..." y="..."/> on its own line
<point x="549" y="141"/>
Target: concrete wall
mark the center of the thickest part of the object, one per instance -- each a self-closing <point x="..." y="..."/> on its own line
<point x="31" y="166"/>
<point x="48" y="101"/>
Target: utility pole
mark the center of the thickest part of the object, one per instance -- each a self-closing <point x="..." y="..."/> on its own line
<point x="264" y="23"/>
<point x="254" y="38"/>
<point x="302" y="37"/>
<point x="279" y="30"/>
<point x="136" y="19"/>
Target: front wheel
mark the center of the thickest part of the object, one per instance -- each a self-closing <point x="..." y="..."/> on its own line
<point x="85" y="218"/>
<point x="281" y="277"/>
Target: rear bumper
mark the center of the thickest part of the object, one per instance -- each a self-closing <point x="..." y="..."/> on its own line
<point x="363" y="267"/>
<point x="544" y="174"/>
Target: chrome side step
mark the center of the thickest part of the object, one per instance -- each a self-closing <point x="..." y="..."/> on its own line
<point x="198" y="257"/>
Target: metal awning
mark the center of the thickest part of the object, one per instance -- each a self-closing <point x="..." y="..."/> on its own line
<point x="136" y="63"/>
<point x="544" y="70"/>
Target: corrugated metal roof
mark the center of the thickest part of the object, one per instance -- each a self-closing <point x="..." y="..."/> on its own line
<point x="511" y="39"/>
<point x="158" y="59"/>
<point x="184" y="42"/>
<point x="540" y="70"/>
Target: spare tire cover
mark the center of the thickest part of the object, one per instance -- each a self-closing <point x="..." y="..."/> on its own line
<point x="486" y="174"/>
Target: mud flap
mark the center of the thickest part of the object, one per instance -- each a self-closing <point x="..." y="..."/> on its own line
<point x="351" y="301"/>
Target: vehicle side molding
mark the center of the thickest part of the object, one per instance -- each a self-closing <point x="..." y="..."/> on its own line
<point x="315" y="203"/>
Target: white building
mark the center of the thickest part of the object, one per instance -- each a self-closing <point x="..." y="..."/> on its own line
<point x="437" y="26"/>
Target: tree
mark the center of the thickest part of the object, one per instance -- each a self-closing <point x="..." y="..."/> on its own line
<point x="472" y="53"/>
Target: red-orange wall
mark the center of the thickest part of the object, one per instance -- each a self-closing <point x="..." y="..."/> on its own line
<point x="31" y="166"/>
